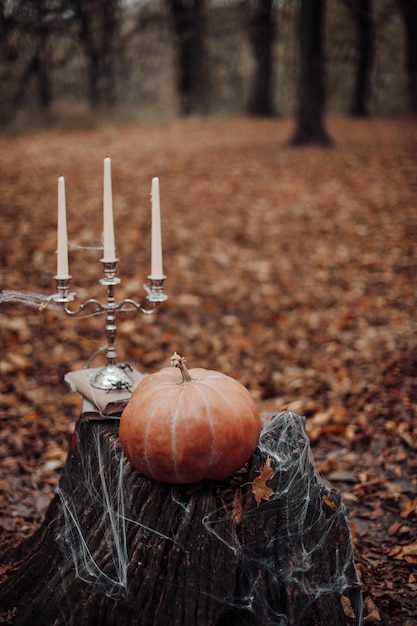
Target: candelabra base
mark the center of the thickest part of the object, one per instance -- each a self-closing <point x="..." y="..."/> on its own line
<point x="113" y="378"/>
<point x="104" y="403"/>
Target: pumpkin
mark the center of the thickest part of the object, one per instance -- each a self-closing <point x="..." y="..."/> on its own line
<point x="181" y="426"/>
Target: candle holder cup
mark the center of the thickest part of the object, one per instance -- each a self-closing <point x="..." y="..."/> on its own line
<point x="63" y="295"/>
<point x="113" y="376"/>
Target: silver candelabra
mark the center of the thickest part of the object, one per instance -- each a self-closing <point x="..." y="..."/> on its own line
<point x="112" y="376"/>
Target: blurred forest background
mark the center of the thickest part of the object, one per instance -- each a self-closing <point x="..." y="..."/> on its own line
<point x="291" y="269"/>
<point x="74" y="62"/>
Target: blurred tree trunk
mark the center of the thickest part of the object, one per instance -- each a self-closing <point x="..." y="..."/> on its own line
<point x="409" y="11"/>
<point x="43" y="66"/>
<point x="361" y="11"/>
<point x="87" y="39"/>
<point x="261" y="33"/>
<point x="109" y="34"/>
<point x="39" y="20"/>
<point x="189" y="28"/>
<point x="311" y="93"/>
<point x="97" y="31"/>
<point x="5" y="26"/>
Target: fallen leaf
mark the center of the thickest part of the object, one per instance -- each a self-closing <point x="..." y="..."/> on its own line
<point x="259" y="487"/>
<point x="328" y="319"/>
<point x="347" y="607"/>
<point x="403" y="552"/>
<point x="410" y="550"/>
<point x="372" y="613"/>
<point x="343" y="476"/>
<point x="409" y="507"/>
<point x="329" y="502"/>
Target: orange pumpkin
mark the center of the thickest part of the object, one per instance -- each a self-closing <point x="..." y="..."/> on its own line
<point x="182" y="426"/>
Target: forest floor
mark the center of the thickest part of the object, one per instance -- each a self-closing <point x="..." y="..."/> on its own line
<point x="291" y="269"/>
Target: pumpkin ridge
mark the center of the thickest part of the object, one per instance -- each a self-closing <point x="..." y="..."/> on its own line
<point x="225" y="396"/>
<point x="146" y="387"/>
<point x="149" y="424"/>
<point x="240" y="411"/>
<point x="215" y="388"/>
<point x="145" y="454"/>
<point x="180" y="433"/>
<point x="174" y="433"/>
<point x="207" y="374"/>
<point x="145" y="394"/>
<point x="213" y="448"/>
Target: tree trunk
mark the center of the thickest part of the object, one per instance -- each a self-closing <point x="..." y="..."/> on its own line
<point x="269" y="545"/>
<point x="311" y="94"/>
<point x="409" y="11"/>
<point x="188" y="23"/>
<point x="109" y="31"/>
<point x="43" y="72"/>
<point x="261" y="36"/>
<point x="97" y="31"/>
<point x="362" y="14"/>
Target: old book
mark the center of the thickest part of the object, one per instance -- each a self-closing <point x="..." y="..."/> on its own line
<point x="102" y="402"/>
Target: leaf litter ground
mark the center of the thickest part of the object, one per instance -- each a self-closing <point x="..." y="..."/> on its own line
<point x="291" y="269"/>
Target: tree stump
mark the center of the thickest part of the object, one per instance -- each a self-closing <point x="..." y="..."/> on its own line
<point x="269" y="546"/>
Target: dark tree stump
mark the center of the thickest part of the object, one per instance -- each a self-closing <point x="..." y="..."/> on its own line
<point x="118" y="548"/>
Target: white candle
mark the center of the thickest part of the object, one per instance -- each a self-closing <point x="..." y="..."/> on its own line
<point x="62" y="252"/>
<point x="156" y="255"/>
<point x="109" y="250"/>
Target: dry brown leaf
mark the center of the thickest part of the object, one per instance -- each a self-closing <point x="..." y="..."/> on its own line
<point x="260" y="489"/>
<point x="329" y="502"/>
<point x="403" y="552"/>
<point x="372" y="614"/>
<point x="331" y="318"/>
<point x="347" y="607"/>
<point x="409" y="507"/>
<point x="410" y="550"/>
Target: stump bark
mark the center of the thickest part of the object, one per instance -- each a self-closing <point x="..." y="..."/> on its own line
<point x="264" y="547"/>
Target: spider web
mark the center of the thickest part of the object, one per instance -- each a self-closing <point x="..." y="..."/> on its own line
<point x="287" y="559"/>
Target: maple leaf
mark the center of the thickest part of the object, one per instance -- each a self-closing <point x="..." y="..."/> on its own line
<point x="260" y="489"/>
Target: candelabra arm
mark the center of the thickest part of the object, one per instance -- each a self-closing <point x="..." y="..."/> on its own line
<point x="64" y="297"/>
<point x="112" y="376"/>
<point x="98" y="308"/>
<point x="128" y="302"/>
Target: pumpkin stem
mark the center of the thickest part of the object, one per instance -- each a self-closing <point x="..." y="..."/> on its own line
<point x="179" y="361"/>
